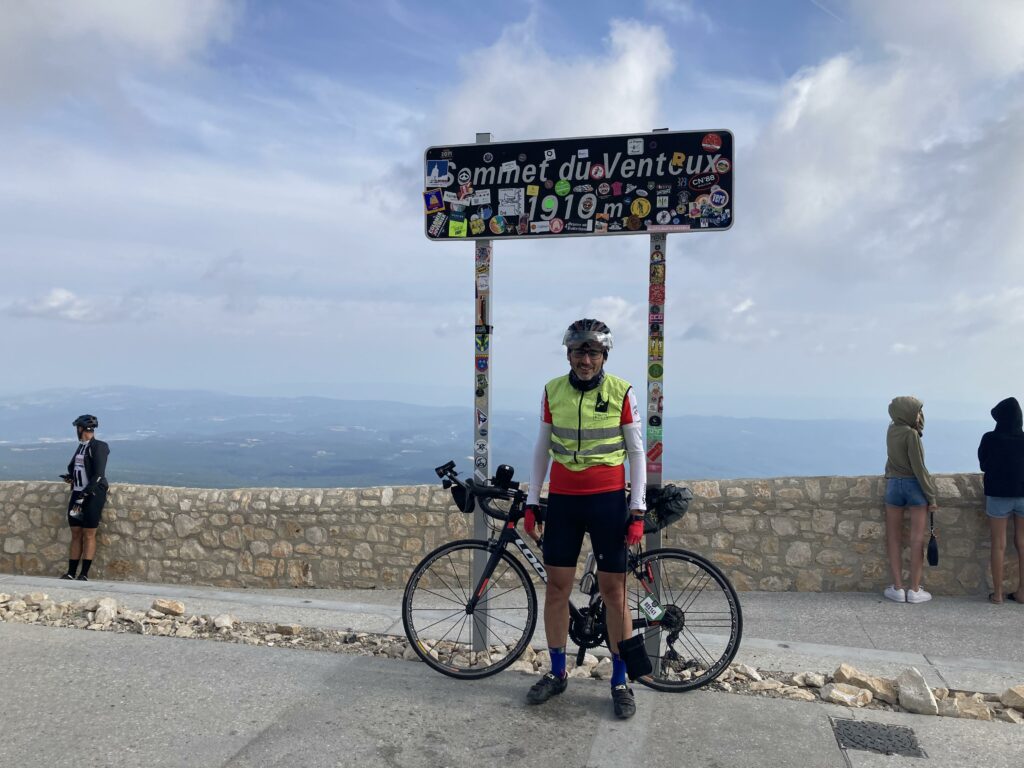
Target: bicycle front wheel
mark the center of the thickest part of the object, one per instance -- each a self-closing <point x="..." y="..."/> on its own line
<point x="699" y="633"/>
<point x="449" y="635"/>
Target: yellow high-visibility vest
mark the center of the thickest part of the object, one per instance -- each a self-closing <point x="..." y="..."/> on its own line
<point x="586" y="429"/>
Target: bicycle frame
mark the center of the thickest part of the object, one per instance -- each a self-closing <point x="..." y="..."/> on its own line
<point x="510" y="535"/>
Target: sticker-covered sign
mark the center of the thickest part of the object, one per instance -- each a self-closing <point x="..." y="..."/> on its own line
<point x="599" y="185"/>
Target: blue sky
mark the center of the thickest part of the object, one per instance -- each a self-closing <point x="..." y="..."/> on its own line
<point x="226" y="195"/>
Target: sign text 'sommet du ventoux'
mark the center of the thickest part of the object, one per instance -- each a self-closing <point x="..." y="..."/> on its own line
<point x="668" y="181"/>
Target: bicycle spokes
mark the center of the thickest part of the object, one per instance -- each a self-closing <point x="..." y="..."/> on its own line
<point x="468" y="628"/>
<point x="698" y="630"/>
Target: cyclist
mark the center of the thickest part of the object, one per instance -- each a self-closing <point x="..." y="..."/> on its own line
<point x="590" y="423"/>
<point x="87" y="472"/>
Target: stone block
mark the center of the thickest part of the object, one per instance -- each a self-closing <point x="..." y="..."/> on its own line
<point x="798" y="554"/>
<point x="706" y="489"/>
<point x="829" y="557"/>
<point x="808" y="581"/>
<point x="914" y="694"/>
<point x="881" y="688"/>
<point x="1013" y="697"/>
<point x="946" y="487"/>
<point x="738" y="524"/>
<point x="783" y="526"/>
<point x="846" y="695"/>
<point x="709" y="521"/>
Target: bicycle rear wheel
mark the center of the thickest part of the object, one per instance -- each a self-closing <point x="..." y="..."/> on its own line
<point x="440" y="627"/>
<point x="700" y="631"/>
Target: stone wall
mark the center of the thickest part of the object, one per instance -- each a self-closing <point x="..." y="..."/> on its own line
<point x="807" y="534"/>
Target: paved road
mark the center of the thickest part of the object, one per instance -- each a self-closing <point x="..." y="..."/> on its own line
<point x="75" y="698"/>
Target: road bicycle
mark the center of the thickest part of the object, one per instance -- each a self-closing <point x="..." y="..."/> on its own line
<point x="470" y="607"/>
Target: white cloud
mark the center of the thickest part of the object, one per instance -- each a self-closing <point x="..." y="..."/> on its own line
<point x="967" y="40"/>
<point x="50" y="47"/>
<point x="58" y="304"/>
<point x="743" y="306"/>
<point x="518" y="90"/>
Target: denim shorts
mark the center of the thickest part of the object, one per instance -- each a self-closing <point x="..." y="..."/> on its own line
<point x="1002" y="506"/>
<point x="904" y="492"/>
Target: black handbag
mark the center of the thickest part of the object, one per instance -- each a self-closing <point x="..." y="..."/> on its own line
<point x="933" y="544"/>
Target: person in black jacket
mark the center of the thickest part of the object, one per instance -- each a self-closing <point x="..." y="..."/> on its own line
<point x="1001" y="455"/>
<point x="87" y="476"/>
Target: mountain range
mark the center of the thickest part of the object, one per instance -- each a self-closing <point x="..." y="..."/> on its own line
<point x="210" y="439"/>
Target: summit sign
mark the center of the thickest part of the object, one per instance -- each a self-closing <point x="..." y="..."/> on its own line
<point x="667" y="181"/>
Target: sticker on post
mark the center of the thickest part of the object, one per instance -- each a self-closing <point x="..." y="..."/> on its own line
<point x="634" y="146"/>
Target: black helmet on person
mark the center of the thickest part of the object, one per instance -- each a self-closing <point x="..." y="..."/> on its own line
<point x="588" y="330"/>
<point x="86" y="421"/>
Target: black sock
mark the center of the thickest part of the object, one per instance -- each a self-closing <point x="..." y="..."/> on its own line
<point x="72" y="567"/>
<point x="85" y="567"/>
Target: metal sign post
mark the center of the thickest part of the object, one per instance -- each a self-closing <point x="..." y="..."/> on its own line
<point x="481" y="413"/>
<point x="655" y="403"/>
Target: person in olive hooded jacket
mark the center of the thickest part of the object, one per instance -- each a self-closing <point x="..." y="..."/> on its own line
<point x="1001" y="455"/>
<point x="908" y="484"/>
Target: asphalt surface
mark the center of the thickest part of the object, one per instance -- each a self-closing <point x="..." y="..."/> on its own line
<point x="79" y="698"/>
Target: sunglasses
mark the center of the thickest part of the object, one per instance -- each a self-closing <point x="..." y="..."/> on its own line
<point x="593" y="354"/>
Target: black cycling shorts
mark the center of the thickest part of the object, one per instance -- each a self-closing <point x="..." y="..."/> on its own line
<point x="602" y="515"/>
<point x="92" y="508"/>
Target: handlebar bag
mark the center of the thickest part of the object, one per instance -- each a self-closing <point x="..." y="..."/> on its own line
<point x="669" y="504"/>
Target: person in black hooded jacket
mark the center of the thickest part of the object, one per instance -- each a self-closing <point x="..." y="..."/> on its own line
<point x="1001" y="455"/>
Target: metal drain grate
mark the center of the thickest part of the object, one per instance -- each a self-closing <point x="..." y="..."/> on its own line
<point x="876" y="737"/>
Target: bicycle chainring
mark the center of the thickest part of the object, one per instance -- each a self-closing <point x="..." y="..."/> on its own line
<point x="589" y="631"/>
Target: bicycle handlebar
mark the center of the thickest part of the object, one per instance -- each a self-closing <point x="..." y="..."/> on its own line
<point x="473" y="492"/>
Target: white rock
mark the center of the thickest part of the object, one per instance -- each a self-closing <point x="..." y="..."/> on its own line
<point x="106" y="611"/>
<point x="748" y="672"/>
<point x="948" y="707"/>
<point x="288" y="629"/>
<point x="224" y="621"/>
<point x="580" y="672"/>
<point x="34" y="598"/>
<point x="914" y="694"/>
<point x="410" y="654"/>
<point x="17" y="606"/>
<point x="590" y="660"/>
<point x="1013" y="697"/>
<point x="169" y="607"/>
<point x="974" y="709"/>
<point x="814" y="679"/>
<point x="184" y="631"/>
<point x="1011" y="716"/>
<point x="603" y="670"/>
<point x="881" y="687"/>
<point x="845" y="694"/>
<point x="4" y="598"/>
<point x="522" y="665"/>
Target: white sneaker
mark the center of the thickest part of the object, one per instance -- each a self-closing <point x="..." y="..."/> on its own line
<point x="920" y="596"/>
<point x="896" y="594"/>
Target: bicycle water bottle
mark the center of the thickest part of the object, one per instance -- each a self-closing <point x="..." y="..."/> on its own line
<point x="588" y="581"/>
